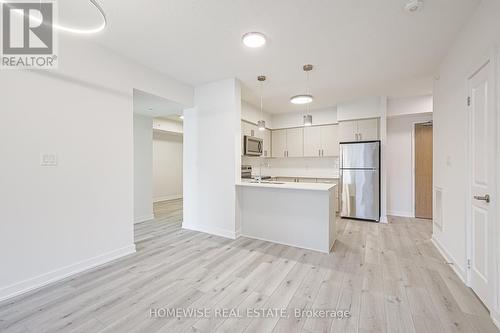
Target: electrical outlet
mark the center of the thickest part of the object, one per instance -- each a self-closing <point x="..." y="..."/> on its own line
<point x="48" y="159"/>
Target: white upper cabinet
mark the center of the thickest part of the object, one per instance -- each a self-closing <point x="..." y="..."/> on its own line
<point x="329" y="140"/>
<point x="288" y="142"/>
<point x="348" y="131"/>
<point x="295" y="142"/>
<point x="321" y="141"/>
<point x="312" y="141"/>
<point x="278" y="143"/>
<point x="368" y="129"/>
<point x="358" y="130"/>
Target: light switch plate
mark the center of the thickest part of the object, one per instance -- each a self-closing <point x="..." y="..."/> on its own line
<point x="48" y="159"/>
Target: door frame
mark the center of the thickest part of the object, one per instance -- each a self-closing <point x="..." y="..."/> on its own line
<point x="488" y="59"/>
<point x="413" y="162"/>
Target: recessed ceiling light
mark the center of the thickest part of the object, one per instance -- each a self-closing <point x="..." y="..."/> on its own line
<point x="254" y="39"/>
<point x="301" y="99"/>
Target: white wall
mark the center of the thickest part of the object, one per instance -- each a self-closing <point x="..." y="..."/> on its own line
<point x="167" y="125"/>
<point x="409" y="105"/>
<point x="400" y="163"/>
<point x="319" y="117"/>
<point x="361" y="109"/>
<point x="252" y="114"/>
<point x="476" y="41"/>
<point x="167" y="166"/>
<point x="212" y="163"/>
<point x="56" y="221"/>
<point x="143" y="168"/>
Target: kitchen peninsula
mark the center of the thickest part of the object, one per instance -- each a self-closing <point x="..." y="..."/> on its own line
<point x="295" y="214"/>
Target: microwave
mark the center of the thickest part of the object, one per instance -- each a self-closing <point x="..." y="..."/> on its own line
<point x="252" y="146"/>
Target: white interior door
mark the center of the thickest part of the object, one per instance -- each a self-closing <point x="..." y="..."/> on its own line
<point x="482" y="214"/>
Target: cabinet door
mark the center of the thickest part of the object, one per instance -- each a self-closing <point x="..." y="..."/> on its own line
<point x="267" y="143"/>
<point x="348" y="131"/>
<point x="312" y="141"/>
<point x="295" y="142"/>
<point x="329" y="140"/>
<point x="368" y="129"/>
<point x="278" y="143"/>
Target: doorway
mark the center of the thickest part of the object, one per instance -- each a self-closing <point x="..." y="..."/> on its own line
<point x="423" y="170"/>
<point x="158" y="164"/>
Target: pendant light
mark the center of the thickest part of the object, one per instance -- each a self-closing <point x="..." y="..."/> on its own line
<point x="307" y="118"/>
<point x="261" y="123"/>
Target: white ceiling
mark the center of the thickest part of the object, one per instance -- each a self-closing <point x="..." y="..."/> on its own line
<point x="154" y="106"/>
<point x="359" y="47"/>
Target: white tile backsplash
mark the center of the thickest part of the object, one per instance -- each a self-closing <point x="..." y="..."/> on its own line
<point x="325" y="167"/>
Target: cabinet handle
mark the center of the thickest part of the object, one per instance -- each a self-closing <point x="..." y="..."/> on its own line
<point x="360" y="137"/>
<point x="322" y="152"/>
<point x="319" y="152"/>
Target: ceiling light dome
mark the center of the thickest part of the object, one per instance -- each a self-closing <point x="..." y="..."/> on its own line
<point x="301" y="99"/>
<point x="254" y="39"/>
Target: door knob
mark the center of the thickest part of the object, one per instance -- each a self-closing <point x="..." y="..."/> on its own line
<point x="486" y="197"/>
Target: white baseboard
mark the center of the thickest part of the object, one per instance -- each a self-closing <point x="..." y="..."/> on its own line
<point x="167" y="197"/>
<point x="399" y="213"/>
<point x="143" y="218"/>
<point x="461" y="273"/>
<point x="213" y="231"/>
<point x="495" y="317"/>
<point x="383" y="219"/>
<point x="36" y="282"/>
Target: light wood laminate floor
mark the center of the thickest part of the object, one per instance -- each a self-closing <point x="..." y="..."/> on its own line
<point x="388" y="276"/>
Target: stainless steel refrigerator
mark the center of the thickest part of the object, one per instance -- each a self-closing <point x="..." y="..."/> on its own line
<point x="360" y="180"/>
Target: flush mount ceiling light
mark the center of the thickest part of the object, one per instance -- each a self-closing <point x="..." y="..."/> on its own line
<point x="301" y="99"/>
<point x="413" y="5"/>
<point x="261" y="123"/>
<point x="254" y="39"/>
<point x="74" y="30"/>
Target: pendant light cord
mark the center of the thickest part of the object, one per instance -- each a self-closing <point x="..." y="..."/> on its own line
<point x="261" y="100"/>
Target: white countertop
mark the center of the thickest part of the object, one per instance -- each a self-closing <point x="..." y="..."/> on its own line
<point x="291" y="186"/>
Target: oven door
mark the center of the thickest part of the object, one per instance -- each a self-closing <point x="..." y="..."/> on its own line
<point x="253" y="146"/>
